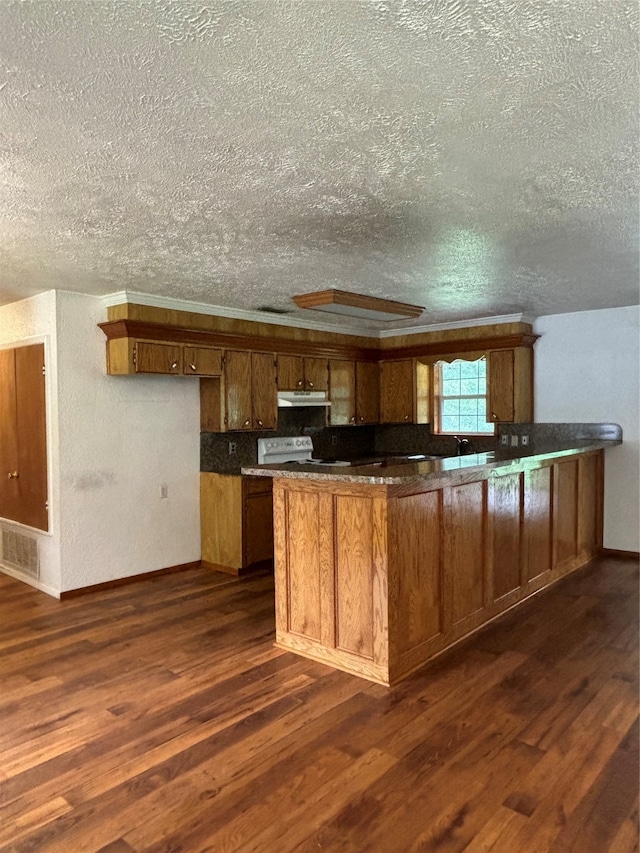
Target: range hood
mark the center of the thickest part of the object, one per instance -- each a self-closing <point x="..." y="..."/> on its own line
<point x="288" y="399"/>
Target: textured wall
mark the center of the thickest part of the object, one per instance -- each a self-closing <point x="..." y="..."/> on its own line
<point x="475" y="156"/>
<point x="587" y="370"/>
<point x="120" y="439"/>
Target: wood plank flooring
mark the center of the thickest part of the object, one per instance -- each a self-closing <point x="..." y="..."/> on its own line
<point x="159" y="717"/>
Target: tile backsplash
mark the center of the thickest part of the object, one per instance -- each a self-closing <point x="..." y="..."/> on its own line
<point x="346" y="442"/>
<point x="380" y="439"/>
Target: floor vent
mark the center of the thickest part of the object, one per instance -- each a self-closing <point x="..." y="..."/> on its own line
<point x="20" y="552"/>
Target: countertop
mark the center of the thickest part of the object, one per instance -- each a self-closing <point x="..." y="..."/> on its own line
<point x="437" y="469"/>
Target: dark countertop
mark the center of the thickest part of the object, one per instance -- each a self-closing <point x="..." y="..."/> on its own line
<point x="435" y="469"/>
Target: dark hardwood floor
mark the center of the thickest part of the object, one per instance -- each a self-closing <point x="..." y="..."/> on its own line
<point x="159" y="717"/>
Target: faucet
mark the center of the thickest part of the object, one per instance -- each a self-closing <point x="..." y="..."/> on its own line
<point x="464" y="446"/>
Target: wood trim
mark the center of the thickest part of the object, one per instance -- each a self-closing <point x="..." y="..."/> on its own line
<point x="356" y="300"/>
<point x="267" y="565"/>
<point x="116" y="329"/>
<point x="620" y="555"/>
<point x="439" y="348"/>
<point x="145" y="576"/>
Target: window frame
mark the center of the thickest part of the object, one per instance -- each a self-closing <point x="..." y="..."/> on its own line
<point x="438" y="398"/>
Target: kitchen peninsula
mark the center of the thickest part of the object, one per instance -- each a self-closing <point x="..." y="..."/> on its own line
<point x="380" y="568"/>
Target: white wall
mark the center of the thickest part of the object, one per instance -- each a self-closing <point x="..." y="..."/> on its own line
<point x="587" y="370"/>
<point x="120" y="439"/>
<point x="27" y="322"/>
<point x="112" y="442"/>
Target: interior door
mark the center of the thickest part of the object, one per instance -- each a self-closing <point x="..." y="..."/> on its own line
<point x="32" y="436"/>
<point x="8" y="433"/>
<point x="23" y="436"/>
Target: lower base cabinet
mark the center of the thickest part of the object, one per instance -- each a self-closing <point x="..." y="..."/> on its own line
<point x="236" y="521"/>
<point x="377" y="579"/>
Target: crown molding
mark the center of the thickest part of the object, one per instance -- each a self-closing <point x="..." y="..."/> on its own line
<point x="455" y="324"/>
<point x="171" y="304"/>
<point x="132" y="297"/>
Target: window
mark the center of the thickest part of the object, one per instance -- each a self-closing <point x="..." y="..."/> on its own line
<point x="461" y="397"/>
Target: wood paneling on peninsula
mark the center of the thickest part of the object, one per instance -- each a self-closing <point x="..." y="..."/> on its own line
<point x="377" y="578"/>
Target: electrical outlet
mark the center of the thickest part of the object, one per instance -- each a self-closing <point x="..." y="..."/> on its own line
<point x="514" y="441"/>
<point x="233" y="448"/>
<point x="334" y="440"/>
<point x="164" y="491"/>
<point x="524" y="440"/>
<point x="504" y="439"/>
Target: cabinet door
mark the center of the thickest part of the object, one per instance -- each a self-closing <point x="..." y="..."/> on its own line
<point x="237" y="373"/>
<point x="157" y="358"/>
<point x="316" y="374"/>
<point x="396" y="391"/>
<point x="500" y="386"/>
<point x="263" y="391"/>
<point x="202" y="361"/>
<point x="342" y="377"/>
<point x="258" y="528"/>
<point x="367" y="392"/>
<point x="290" y="373"/>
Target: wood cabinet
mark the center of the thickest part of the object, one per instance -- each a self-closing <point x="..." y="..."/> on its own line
<point x="510" y="385"/>
<point x="404" y="391"/>
<point x="354" y="390"/>
<point x="376" y="579"/>
<point x="296" y="373"/>
<point x="367" y="392"/>
<point x="342" y="392"/>
<point x="23" y="436"/>
<point x="236" y="517"/>
<point x="127" y="356"/>
<point x="250" y="391"/>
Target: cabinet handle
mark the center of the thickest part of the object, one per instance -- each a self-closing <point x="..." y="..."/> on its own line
<point x="406" y="417"/>
<point x="352" y="419"/>
<point x="13" y="475"/>
<point x="310" y="384"/>
<point x="259" y="423"/>
<point x="361" y="418"/>
<point x="247" y="422"/>
<point x="192" y="366"/>
<point x="299" y="382"/>
<point x="174" y="365"/>
<point x="494" y="417"/>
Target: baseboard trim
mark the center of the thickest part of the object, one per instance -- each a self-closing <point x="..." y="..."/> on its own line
<point x="621" y="555"/>
<point x="99" y="587"/>
<point x="262" y="565"/>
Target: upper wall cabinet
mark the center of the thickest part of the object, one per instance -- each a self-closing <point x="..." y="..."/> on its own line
<point x="367" y="392"/>
<point x="23" y="437"/>
<point x="354" y="392"/>
<point x="404" y="392"/>
<point x="127" y="356"/>
<point x="510" y="385"/>
<point x="296" y="373"/>
<point x="250" y="391"/>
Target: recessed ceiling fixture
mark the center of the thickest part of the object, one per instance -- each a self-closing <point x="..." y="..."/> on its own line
<point x="357" y="305"/>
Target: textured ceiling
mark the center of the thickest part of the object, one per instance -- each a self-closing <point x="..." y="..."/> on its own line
<point x="478" y="157"/>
